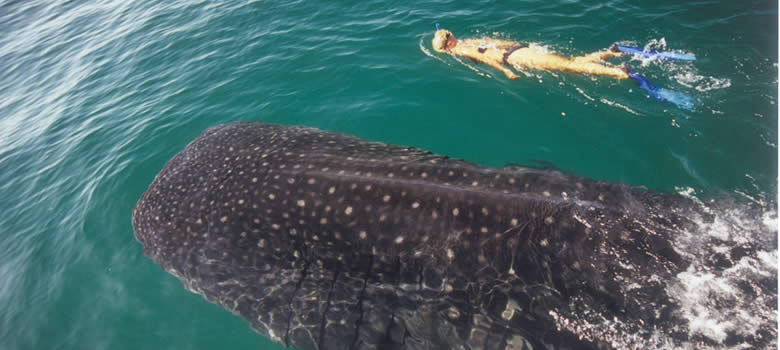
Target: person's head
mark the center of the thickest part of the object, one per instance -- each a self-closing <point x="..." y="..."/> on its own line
<point x="443" y="40"/>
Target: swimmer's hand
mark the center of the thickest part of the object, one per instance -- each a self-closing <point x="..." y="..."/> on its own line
<point x="511" y="75"/>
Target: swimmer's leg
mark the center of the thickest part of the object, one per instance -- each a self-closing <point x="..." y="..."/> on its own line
<point x="682" y="100"/>
<point x="590" y="67"/>
<point x="597" y="56"/>
<point x="600" y="55"/>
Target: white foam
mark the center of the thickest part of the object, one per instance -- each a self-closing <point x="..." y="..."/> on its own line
<point x="769" y="219"/>
<point x="719" y="301"/>
<point x="618" y="105"/>
<point x="691" y="79"/>
<point x="585" y="95"/>
<point x="540" y="48"/>
<point x="428" y="52"/>
<point x="702" y="316"/>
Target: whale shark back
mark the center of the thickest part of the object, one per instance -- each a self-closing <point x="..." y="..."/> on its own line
<point x="324" y="241"/>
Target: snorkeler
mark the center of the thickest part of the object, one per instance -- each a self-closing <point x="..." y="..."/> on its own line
<point x="499" y="53"/>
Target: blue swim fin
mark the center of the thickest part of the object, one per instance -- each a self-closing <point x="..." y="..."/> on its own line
<point x="679" y="99"/>
<point x="666" y="55"/>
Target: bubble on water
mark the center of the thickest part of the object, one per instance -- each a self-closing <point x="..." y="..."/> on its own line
<point x="729" y="288"/>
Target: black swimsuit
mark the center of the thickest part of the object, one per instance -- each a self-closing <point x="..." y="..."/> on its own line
<point x="511" y="50"/>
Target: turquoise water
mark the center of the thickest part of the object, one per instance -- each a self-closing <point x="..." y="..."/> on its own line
<point x="96" y="96"/>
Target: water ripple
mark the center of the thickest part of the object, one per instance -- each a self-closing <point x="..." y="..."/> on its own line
<point x="96" y="96"/>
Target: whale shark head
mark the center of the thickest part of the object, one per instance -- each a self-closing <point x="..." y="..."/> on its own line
<point x="324" y="241"/>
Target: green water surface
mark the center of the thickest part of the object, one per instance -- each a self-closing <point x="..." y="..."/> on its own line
<point x="95" y="97"/>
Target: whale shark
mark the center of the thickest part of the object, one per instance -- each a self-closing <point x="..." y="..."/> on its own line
<point x="321" y="240"/>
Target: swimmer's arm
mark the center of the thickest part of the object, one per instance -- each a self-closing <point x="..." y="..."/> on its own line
<point x="501" y="67"/>
<point x="495" y="64"/>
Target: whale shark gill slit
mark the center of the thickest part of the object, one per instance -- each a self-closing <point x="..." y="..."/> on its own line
<point x="321" y="240"/>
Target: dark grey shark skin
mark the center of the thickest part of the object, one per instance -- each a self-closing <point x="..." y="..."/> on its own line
<point x="324" y="241"/>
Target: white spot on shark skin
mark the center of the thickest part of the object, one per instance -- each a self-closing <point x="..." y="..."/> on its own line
<point x="348" y="211"/>
<point x="301" y="203"/>
<point x="452" y="312"/>
<point x="332" y="190"/>
<point x="399" y="239"/>
<point x="455" y="212"/>
<point x="386" y="198"/>
<point x="271" y="196"/>
<point x="509" y="310"/>
<point x="363" y="235"/>
<point x="223" y="219"/>
<point x="514" y="222"/>
<point x="415" y="205"/>
<point x="581" y="220"/>
<point x="450" y="253"/>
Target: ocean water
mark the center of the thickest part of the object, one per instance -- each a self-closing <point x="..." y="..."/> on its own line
<point x="95" y="97"/>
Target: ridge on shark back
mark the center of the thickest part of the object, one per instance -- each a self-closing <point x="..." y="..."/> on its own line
<point x="321" y="240"/>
